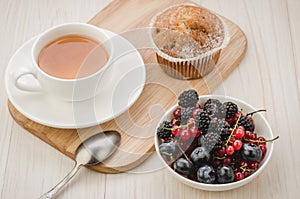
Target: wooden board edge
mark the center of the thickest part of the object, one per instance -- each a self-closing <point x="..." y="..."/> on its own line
<point x="103" y="169"/>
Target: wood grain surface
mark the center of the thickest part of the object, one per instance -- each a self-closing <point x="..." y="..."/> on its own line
<point x="138" y="124"/>
<point x="268" y="77"/>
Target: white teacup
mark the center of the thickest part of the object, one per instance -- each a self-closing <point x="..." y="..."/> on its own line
<point x="33" y="79"/>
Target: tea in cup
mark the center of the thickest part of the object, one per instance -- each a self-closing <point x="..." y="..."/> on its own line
<point x="67" y="62"/>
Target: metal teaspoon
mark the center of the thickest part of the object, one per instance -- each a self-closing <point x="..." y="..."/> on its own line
<point x="91" y="151"/>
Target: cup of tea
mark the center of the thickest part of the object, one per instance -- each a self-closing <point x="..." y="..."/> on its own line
<point x="68" y="61"/>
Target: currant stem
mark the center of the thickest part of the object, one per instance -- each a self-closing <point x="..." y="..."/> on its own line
<point x="249" y="140"/>
<point x="175" y="121"/>
<point x="260" y="110"/>
<point x="183" y="152"/>
<point x="235" y="126"/>
<point x="220" y="158"/>
<point x="179" y="127"/>
<point x="165" y="153"/>
<point x="249" y="170"/>
<point x="172" y="158"/>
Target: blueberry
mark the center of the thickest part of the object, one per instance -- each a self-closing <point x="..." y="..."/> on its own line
<point x="225" y="174"/>
<point x="206" y="174"/>
<point x="200" y="155"/>
<point x="183" y="166"/>
<point x="251" y="152"/>
<point x="168" y="150"/>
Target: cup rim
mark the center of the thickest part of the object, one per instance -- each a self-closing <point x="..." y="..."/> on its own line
<point x="102" y="69"/>
<point x="216" y="187"/>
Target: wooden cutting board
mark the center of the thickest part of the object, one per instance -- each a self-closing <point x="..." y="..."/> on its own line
<point x="137" y="125"/>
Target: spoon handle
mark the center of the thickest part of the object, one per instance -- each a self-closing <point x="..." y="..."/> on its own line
<point x="62" y="183"/>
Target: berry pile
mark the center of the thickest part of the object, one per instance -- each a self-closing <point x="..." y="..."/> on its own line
<point x="212" y="143"/>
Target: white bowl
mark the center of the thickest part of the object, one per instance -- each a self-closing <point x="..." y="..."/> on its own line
<point x="261" y="127"/>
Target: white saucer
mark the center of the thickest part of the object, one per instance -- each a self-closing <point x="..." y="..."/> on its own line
<point x="122" y="89"/>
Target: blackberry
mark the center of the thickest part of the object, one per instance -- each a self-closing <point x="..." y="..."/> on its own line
<point x="246" y="123"/>
<point x="202" y="121"/>
<point x="219" y="144"/>
<point x="185" y="114"/>
<point x="210" y="141"/>
<point x="212" y="125"/>
<point x="211" y="106"/>
<point x="223" y="128"/>
<point x="162" y="132"/>
<point x="188" y="98"/>
<point x="218" y="131"/>
<point x="218" y="126"/>
<point x="229" y="109"/>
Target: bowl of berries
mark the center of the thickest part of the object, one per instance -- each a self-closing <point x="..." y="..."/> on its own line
<point x="213" y="142"/>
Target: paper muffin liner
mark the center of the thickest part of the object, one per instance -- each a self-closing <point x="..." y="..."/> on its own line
<point x="189" y="68"/>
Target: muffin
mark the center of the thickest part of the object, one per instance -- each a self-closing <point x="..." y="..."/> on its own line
<point x="188" y="40"/>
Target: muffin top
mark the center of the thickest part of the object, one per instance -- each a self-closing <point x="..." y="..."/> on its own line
<point x="187" y="31"/>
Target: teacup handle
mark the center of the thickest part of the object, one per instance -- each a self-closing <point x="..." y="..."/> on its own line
<point x="25" y="79"/>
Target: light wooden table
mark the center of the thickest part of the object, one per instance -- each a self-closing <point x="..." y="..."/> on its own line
<point x="268" y="77"/>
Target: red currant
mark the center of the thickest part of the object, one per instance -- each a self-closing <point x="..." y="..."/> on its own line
<point x="261" y="140"/>
<point x="239" y="132"/>
<point x="185" y="134"/>
<point x="253" y="136"/>
<point x="248" y="134"/>
<point x="229" y="150"/>
<point x="227" y="161"/>
<point x="244" y="164"/>
<point x="233" y="120"/>
<point x="176" y="113"/>
<point x="253" y="165"/>
<point x="246" y="174"/>
<point x="232" y="139"/>
<point x="263" y="148"/>
<point x="216" y="163"/>
<point x="176" y="130"/>
<point x="237" y="115"/>
<point x="237" y="145"/>
<point x="238" y="176"/>
<point x="195" y="132"/>
<point x="221" y="152"/>
<point x="230" y="120"/>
